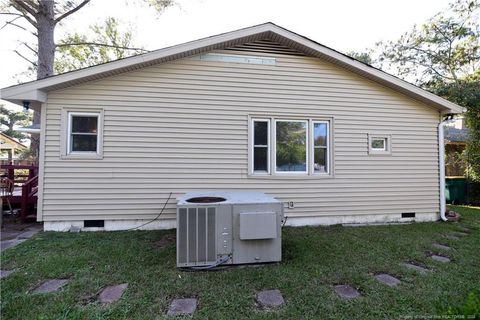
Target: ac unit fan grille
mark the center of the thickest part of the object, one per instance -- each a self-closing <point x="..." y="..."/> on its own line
<point x="196" y="235"/>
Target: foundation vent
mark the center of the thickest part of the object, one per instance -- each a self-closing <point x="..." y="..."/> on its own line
<point x="408" y="214"/>
<point x="94" y="223"/>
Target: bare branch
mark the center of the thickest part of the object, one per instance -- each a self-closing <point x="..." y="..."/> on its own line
<point x="66" y="14"/>
<point x="23" y="5"/>
<point x="22" y="56"/>
<point x="99" y="45"/>
<point x="12" y="14"/>
<point x="31" y="49"/>
<point x="11" y="22"/>
<point x="25" y="10"/>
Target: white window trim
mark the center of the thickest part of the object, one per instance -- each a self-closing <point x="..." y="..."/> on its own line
<point x="65" y="151"/>
<point x="312" y="133"/>
<point x="253" y="145"/>
<point x="387" y="150"/>
<point x="272" y="173"/>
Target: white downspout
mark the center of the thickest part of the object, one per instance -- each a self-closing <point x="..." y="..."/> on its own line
<point x="441" y="163"/>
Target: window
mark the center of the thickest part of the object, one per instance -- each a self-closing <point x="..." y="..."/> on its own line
<point x="379" y="144"/>
<point x="261" y="135"/>
<point x="320" y="147"/>
<point x="289" y="147"/>
<point x="82" y="134"/>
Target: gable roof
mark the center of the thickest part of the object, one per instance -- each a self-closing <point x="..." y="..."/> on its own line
<point x="36" y="91"/>
<point x="11" y="140"/>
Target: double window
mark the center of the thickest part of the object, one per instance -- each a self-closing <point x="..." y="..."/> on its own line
<point x="290" y="146"/>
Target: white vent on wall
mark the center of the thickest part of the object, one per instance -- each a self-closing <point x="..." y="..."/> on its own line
<point x="217" y="57"/>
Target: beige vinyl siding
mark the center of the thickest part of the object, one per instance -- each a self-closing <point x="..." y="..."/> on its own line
<point x="183" y="126"/>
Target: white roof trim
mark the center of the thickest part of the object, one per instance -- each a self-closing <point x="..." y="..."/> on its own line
<point x="36" y="90"/>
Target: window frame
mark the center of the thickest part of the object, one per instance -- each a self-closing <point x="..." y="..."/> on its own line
<point x="66" y="134"/>
<point x="387" y="150"/>
<point x="310" y="172"/>
<point x="253" y="145"/>
<point x="327" y="147"/>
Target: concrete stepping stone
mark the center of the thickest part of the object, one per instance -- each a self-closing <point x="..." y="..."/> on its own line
<point x="112" y="293"/>
<point x="346" y="292"/>
<point x="5" y="273"/>
<point x="463" y="229"/>
<point x="387" y="279"/>
<point x="452" y="237"/>
<point x="441" y="246"/>
<point x="414" y="267"/>
<point x="28" y="234"/>
<point x="9" y="235"/>
<point x="4" y="245"/>
<point x="182" y="307"/>
<point x="270" y="299"/>
<point x="460" y="234"/>
<point x="51" y="285"/>
<point x="440" y="258"/>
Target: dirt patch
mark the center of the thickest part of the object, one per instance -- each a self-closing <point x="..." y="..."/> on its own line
<point x="165" y="241"/>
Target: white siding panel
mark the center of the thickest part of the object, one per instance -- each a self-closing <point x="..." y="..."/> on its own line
<point x="183" y="126"/>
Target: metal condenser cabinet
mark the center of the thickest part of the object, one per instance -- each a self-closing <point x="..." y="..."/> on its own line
<point x="228" y="228"/>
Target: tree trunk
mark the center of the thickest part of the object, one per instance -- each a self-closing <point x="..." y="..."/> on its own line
<point x="46" y="56"/>
<point x="46" y="42"/>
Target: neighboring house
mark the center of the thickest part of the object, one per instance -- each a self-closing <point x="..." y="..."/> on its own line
<point x="10" y="148"/>
<point x="260" y="108"/>
<point x="456" y="136"/>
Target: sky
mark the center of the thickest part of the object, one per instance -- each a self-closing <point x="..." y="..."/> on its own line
<point x="344" y="25"/>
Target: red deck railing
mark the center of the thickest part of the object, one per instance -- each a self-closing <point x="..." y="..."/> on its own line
<point x="24" y="178"/>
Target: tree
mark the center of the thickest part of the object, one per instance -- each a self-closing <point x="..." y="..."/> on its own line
<point x="44" y="16"/>
<point x="365" y="57"/>
<point x="443" y="56"/>
<point x="445" y="48"/>
<point x="9" y="119"/>
<point x="104" y="43"/>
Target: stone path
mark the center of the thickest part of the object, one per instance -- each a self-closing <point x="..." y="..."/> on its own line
<point x="51" y="285"/>
<point x="268" y="299"/>
<point x="346" y="292"/>
<point x="452" y="237"/>
<point x="441" y="246"/>
<point x="460" y="234"/>
<point x="112" y="293"/>
<point x="415" y="267"/>
<point x="5" y="273"/>
<point x="182" y="307"/>
<point x="4" y="245"/>
<point x="13" y="235"/>
<point x="387" y="279"/>
<point x="440" y="258"/>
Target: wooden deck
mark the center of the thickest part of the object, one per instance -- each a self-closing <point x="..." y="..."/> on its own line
<point x="19" y="187"/>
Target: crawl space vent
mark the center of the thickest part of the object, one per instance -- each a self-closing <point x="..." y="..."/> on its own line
<point x="408" y="214"/>
<point x="94" y="223"/>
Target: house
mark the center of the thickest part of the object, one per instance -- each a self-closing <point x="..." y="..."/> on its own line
<point x="261" y="108"/>
<point x="456" y="136"/>
<point x="10" y="148"/>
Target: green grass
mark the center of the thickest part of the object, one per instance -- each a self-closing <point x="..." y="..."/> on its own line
<point x="314" y="259"/>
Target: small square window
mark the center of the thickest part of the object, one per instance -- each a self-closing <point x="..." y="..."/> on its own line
<point x="82" y="134"/>
<point x="379" y="144"/>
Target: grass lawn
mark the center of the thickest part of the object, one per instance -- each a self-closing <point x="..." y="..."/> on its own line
<point x="314" y="259"/>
